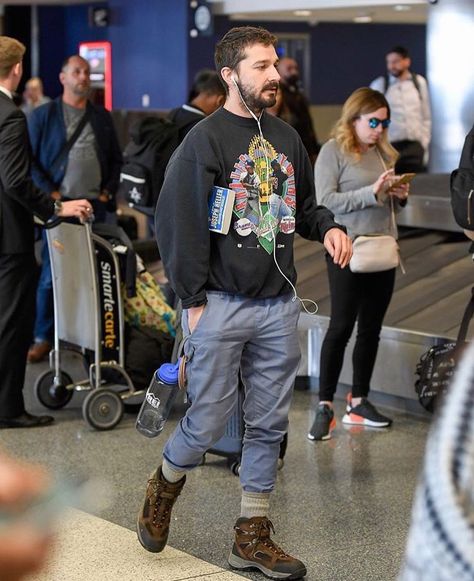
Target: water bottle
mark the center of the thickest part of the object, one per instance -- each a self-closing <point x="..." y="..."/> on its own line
<point x="158" y="400"/>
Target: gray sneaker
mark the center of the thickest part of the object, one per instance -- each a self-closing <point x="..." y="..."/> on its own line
<point x="324" y="423"/>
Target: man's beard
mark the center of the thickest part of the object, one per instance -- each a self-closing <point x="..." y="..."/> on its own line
<point x="256" y="102"/>
<point x="81" y="91"/>
<point x="293" y="81"/>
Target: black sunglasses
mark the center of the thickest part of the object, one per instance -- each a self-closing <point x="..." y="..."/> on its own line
<point x="374" y="123"/>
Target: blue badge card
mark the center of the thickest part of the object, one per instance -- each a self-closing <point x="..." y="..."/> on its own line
<point x="221" y="205"/>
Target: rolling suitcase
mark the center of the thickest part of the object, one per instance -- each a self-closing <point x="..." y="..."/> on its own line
<point x="230" y="445"/>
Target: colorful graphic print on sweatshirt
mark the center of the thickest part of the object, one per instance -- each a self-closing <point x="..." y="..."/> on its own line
<point x="265" y="194"/>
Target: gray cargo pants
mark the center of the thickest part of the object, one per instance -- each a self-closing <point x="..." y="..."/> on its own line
<point x="259" y="337"/>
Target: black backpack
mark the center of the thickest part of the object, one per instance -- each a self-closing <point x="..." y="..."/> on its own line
<point x="437" y="366"/>
<point x="462" y="186"/>
<point x="153" y="141"/>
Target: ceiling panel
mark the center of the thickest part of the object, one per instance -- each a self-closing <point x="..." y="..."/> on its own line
<point x="314" y="11"/>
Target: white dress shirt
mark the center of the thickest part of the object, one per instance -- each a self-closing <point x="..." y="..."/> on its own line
<point x="6" y="92"/>
<point x="410" y="109"/>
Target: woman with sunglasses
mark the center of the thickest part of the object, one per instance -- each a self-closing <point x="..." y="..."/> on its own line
<point x="353" y="173"/>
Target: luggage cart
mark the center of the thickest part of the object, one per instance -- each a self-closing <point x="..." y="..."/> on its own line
<point x="88" y="320"/>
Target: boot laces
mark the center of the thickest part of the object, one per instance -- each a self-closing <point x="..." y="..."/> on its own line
<point x="163" y="500"/>
<point x="262" y="535"/>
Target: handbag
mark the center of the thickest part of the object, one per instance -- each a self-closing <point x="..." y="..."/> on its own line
<point x="376" y="252"/>
<point x="438" y="365"/>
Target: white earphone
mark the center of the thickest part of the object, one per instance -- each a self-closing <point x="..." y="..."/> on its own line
<point x="267" y="157"/>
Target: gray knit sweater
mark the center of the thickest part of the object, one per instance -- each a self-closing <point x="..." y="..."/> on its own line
<point x="344" y="185"/>
<point x="441" y="539"/>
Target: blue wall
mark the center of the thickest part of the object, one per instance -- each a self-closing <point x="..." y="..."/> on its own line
<point x="61" y="31"/>
<point x="356" y="56"/>
<point x="152" y="52"/>
<point x="149" y="52"/>
<point x="343" y="56"/>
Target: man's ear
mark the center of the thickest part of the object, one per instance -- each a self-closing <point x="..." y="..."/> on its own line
<point x="17" y="69"/>
<point x="226" y="73"/>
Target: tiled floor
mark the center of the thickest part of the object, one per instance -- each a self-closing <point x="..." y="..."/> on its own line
<point x="342" y="506"/>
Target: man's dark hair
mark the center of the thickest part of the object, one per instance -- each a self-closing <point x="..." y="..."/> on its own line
<point x="206" y="81"/>
<point x="230" y="50"/>
<point x="401" y="50"/>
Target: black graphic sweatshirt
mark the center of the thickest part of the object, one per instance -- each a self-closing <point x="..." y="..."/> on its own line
<point x="274" y="197"/>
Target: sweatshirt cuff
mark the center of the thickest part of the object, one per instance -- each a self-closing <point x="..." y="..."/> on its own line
<point x="325" y="229"/>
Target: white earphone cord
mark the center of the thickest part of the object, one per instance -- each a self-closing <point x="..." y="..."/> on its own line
<point x="295" y="297"/>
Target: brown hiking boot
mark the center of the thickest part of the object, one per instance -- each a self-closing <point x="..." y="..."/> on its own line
<point x="154" y="518"/>
<point x="253" y="549"/>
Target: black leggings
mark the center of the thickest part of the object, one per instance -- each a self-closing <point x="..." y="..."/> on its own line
<point x="362" y="297"/>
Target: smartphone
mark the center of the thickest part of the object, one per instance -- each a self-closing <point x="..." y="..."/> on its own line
<point x="400" y="180"/>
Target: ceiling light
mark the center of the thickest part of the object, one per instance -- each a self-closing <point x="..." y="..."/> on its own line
<point x="302" y="12"/>
<point x="362" y="18"/>
<point x="401" y="8"/>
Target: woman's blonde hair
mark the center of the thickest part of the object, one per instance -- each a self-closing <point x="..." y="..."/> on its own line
<point x="361" y="102"/>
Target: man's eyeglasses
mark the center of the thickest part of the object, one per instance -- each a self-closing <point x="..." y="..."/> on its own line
<point x="374" y="123"/>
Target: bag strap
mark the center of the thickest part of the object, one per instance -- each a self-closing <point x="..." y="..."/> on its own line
<point x="466" y="319"/>
<point x="69" y="143"/>
<point x="392" y="207"/>
<point x="392" y="211"/>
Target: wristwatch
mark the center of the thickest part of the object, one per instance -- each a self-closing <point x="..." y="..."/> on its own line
<point x="58" y="206"/>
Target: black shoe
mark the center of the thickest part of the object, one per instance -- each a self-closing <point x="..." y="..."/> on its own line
<point x="366" y="414"/>
<point x="324" y="423"/>
<point x="26" y="420"/>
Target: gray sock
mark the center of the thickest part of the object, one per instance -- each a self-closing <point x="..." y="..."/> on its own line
<point x="254" y="504"/>
<point x="171" y="474"/>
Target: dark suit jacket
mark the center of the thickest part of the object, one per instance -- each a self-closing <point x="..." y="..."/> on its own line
<point x="19" y="199"/>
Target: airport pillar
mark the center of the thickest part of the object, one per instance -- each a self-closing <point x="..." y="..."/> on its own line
<point x="450" y="58"/>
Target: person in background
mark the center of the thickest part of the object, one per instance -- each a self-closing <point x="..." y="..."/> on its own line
<point x="19" y="201"/>
<point x="466" y="168"/>
<point x="23" y="548"/>
<point x="352" y="174"/>
<point x="407" y="94"/>
<point x="206" y="96"/>
<point x="237" y="293"/>
<point x="292" y="106"/>
<point x="68" y="165"/>
<point x="33" y="96"/>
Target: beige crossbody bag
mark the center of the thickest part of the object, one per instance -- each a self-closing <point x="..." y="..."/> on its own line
<point x="376" y="252"/>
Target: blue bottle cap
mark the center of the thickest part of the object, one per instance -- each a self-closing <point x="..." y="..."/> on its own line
<point x="168" y="372"/>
